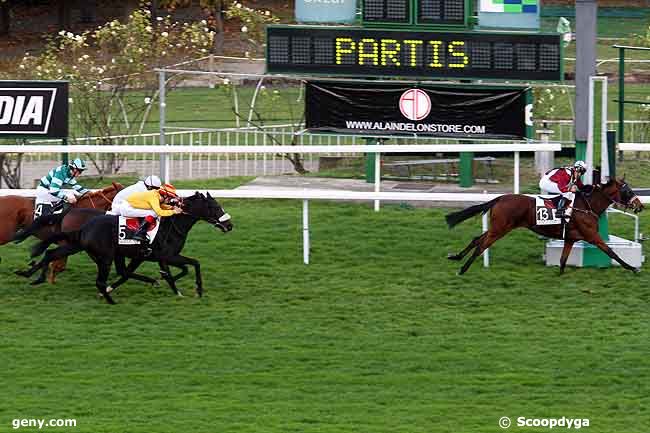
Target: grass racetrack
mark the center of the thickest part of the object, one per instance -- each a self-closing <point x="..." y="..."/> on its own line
<point x="378" y="334"/>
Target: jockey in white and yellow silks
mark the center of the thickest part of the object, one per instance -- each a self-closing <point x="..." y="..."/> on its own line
<point x="149" y="205"/>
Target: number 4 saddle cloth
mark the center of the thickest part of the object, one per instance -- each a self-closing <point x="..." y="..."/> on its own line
<point x="127" y="227"/>
<point x="545" y="210"/>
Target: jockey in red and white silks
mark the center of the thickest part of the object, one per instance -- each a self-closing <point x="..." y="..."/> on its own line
<point x="565" y="181"/>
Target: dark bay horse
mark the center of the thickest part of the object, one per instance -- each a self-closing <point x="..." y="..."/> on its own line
<point x="98" y="238"/>
<point x="18" y="212"/>
<point x="512" y="211"/>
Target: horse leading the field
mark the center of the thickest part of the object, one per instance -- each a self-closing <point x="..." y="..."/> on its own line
<point x="512" y="211"/>
<point x="98" y="237"/>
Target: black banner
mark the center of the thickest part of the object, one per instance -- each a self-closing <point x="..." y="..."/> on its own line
<point x="460" y="111"/>
<point x="34" y="108"/>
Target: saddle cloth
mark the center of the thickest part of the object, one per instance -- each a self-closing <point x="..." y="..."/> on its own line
<point x="45" y="208"/>
<point x="127" y="227"/>
<point x="545" y="209"/>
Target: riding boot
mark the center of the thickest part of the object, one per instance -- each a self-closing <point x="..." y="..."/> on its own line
<point x="559" y="213"/>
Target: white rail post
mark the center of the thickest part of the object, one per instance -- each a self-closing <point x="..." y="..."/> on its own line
<point x="516" y="180"/>
<point x="164" y="159"/>
<point x="377" y="178"/>
<point x="305" y="231"/>
<point x="604" y="151"/>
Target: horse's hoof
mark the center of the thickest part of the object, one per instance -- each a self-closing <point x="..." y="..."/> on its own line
<point x="109" y="289"/>
<point x="636" y="270"/>
<point x="25" y="274"/>
<point x="199" y="293"/>
<point x="180" y="295"/>
<point x="587" y="291"/>
<point x="453" y="257"/>
<point x="155" y="283"/>
<point x="37" y="282"/>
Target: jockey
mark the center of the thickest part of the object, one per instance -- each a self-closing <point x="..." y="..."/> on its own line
<point x="150" y="204"/>
<point x="49" y="188"/>
<point x="565" y="181"/>
<point x="150" y="183"/>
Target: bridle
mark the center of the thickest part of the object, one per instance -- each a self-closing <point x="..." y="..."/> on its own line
<point x="219" y="222"/>
<point x="627" y="205"/>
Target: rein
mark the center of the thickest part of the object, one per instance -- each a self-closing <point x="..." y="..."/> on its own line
<point x="101" y="194"/>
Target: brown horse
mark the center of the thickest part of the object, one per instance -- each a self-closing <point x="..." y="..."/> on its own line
<point x="512" y="211"/>
<point x="18" y="212"/>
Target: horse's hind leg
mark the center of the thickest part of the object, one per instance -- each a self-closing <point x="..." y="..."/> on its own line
<point x="467" y="249"/>
<point x="485" y="243"/>
<point x="56" y="267"/>
<point x="103" y="271"/>
<point x="50" y="256"/>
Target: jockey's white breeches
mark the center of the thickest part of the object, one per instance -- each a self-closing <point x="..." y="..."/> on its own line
<point x="125" y="209"/>
<point x="43" y="196"/>
<point x="550" y="187"/>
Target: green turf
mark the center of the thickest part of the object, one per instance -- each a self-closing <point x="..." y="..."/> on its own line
<point x="378" y="334"/>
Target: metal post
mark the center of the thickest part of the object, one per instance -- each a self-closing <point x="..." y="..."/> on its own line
<point x="377" y="178"/>
<point x="604" y="150"/>
<point x="466" y="175"/>
<point x="516" y="179"/>
<point x="164" y="159"/>
<point x="370" y="161"/>
<point x="486" y="253"/>
<point x="621" y="94"/>
<point x="305" y="231"/>
<point x="589" y="154"/>
<point x="586" y="14"/>
<point x="611" y="152"/>
<point x="544" y="159"/>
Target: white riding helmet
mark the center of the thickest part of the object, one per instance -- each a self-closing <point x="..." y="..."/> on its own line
<point x="580" y="165"/>
<point x="152" y="182"/>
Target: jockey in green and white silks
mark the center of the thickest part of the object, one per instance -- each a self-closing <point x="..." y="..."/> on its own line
<point x="49" y="190"/>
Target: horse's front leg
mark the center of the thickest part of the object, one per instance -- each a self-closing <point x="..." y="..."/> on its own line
<point x="566" y="250"/>
<point x="600" y="243"/>
<point x="180" y="261"/>
<point x="126" y="272"/>
<point x="166" y="273"/>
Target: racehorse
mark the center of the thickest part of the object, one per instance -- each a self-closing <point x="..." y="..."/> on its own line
<point x="512" y="211"/>
<point x="79" y="217"/>
<point x="98" y="238"/>
<point x="18" y="212"/>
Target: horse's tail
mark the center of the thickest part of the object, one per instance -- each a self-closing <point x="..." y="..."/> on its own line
<point x="40" y="247"/>
<point x="460" y="216"/>
<point x="38" y="224"/>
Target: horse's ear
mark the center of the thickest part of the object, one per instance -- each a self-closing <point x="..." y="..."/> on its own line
<point x="209" y="196"/>
<point x="116" y="186"/>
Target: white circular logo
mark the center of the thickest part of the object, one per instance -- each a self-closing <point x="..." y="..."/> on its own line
<point x="415" y="104"/>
